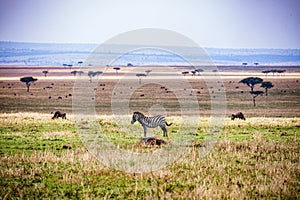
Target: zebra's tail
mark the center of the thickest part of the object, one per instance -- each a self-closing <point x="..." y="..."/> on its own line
<point x="169" y="124"/>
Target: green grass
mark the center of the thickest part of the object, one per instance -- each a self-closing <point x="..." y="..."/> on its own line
<point x="31" y="134"/>
<point x="250" y="160"/>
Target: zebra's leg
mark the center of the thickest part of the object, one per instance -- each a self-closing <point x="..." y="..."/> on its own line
<point x="165" y="131"/>
<point x="145" y="131"/>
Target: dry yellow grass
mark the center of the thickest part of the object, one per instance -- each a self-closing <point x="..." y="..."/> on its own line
<point x="250" y="161"/>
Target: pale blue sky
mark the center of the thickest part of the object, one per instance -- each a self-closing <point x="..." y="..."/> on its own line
<point x="210" y="23"/>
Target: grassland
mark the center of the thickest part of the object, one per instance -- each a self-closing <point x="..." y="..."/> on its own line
<point x="282" y="101"/>
<point x="253" y="159"/>
<point x="250" y="160"/>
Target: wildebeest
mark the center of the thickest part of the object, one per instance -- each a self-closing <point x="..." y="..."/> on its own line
<point x="238" y="115"/>
<point x="58" y="114"/>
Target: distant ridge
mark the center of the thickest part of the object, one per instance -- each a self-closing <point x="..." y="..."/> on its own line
<point x="56" y="54"/>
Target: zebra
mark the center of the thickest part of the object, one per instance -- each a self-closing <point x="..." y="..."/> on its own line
<point x="151" y="122"/>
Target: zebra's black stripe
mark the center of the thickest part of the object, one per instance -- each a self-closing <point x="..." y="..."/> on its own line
<point x="150" y="122"/>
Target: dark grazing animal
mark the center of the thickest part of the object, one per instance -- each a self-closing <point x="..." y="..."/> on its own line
<point x="153" y="141"/>
<point x="58" y="114"/>
<point x="238" y="115"/>
<point x="151" y="122"/>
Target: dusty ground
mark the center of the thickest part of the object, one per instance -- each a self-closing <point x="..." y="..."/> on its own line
<point x="163" y="91"/>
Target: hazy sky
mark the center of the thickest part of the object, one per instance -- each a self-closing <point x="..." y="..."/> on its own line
<point x="210" y="23"/>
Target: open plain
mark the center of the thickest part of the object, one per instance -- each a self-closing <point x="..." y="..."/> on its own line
<point x="253" y="159"/>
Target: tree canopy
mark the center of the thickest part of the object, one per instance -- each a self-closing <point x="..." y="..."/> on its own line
<point x="184" y="73"/>
<point x="74" y="72"/>
<point x="92" y="74"/>
<point x="199" y="70"/>
<point x="267" y="85"/>
<point x="140" y="76"/>
<point x="27" y="81"/>
<point x="45" y="72"/>
<point x="116" y="68"/>
<point x="251" y="82"/>
<point x="148" y="71"/>
<point x="254" y="95"/>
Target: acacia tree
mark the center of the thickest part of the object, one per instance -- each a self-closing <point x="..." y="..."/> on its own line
<point x="80" y="63"/>
<point x="266" y="72"/>
<point x="193" y="73"/>
<point x="280" y="71"/>
<point x="117" y="69"/>
<point x="80" y="72"/>
<point x="198" y="71"/>
<point x="148" y="71"/>
<point x="254" y="95"/>
<point x="45" y="72"/>
<point x="140" y="77"/>
<point x="185" y="73"/>
<point x="267" y="85"/>
<point x="92" y="74"/>
<point x="251" y="82"/>
<point x="273" y="71"/>
<point x="74" y="72"/>
<point x="27" y="81"/>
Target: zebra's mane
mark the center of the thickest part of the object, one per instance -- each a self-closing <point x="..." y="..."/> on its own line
<point x="139" y="113"/>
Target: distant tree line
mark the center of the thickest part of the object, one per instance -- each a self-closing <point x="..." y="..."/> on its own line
<point x="279" y="71"/>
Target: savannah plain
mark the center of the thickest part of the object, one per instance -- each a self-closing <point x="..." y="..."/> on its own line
<point x="253" y="159"/>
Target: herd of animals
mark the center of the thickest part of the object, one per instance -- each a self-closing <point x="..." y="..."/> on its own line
<point x="150" y="122"/>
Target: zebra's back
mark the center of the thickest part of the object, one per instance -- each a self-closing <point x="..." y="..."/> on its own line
<point x="155" y="121"/>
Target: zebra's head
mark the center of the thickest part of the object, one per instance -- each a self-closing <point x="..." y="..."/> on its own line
<point x="136" y="116"/>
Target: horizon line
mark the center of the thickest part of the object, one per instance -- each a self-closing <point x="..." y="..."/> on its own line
<point x="89" y="43"/>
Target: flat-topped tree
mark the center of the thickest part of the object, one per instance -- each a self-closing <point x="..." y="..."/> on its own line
<point x="45" y="72"/>
<point x="280" y="71"/>
<point x="92" y="74"/>
<point x="199" y="70"/>
<point x="27" y="81"/>
<point x="254" y="95"/>
<point x="140" y="77"/>
<point x="148" y="71"/>
<point x="267" y="85"/>
<point x="266" y="72"/>
<point x="74" y="72"/>
<point x="117" y="69"/>
<point x="251" y="82"/>
<point x="80" y="72"/>
<point x="273" y="71"/>
<point x="98" y="73"/>
<point x="215" y="71"/>
<point x="185" y="73"/>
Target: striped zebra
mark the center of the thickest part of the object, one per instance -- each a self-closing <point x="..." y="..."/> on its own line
<point x="151" y="122"/>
